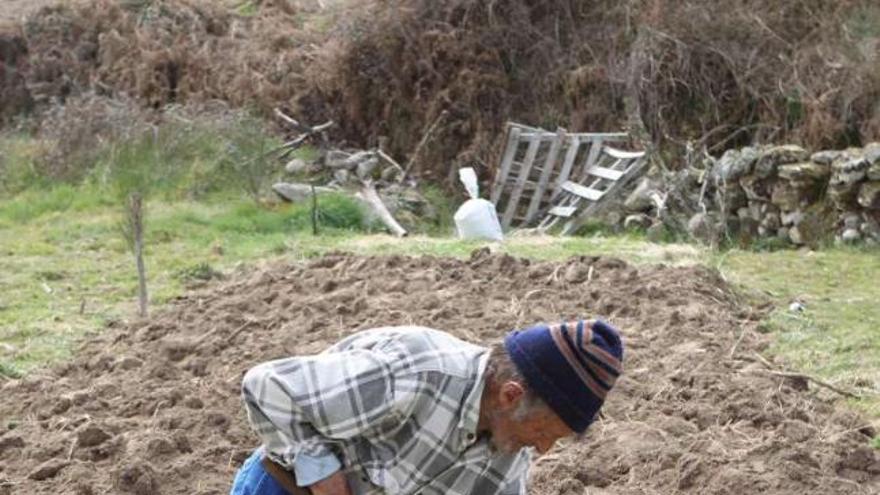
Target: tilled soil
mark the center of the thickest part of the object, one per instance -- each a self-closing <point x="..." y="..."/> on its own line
<point x="153" y="407"/>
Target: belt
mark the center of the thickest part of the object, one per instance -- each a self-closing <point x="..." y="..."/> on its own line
<point x="285" y="478"/>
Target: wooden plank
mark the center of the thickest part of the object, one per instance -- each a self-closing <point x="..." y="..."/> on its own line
<point x="549" y="165"/>
<point x="543" y="135"/>
<point x="622" y="154"/>
<point x="582" y="191"/>
<point x="513" y="202"/>
<point x="563" y="211"/>
<point x="605" y="173"/>
<point x="506" y="161"/>
<point x="567" y="163"/>
<point x="575" y="223"/>
<point x="592" y="157"/>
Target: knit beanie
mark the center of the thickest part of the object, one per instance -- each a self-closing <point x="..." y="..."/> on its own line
<point x="571" y="366"/>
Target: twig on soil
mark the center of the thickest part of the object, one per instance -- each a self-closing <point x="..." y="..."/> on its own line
<point x="802" y="376"/>
<point x="72" y="448"/>
<point x="742" y="334"/>
<point x="419" y="146"/>
<point x="240" y="329"/>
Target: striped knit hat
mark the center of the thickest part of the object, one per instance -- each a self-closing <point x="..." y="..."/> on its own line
<point x="572" y="366"/>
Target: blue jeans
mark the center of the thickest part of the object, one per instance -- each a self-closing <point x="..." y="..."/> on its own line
<point x="252" y="479"/>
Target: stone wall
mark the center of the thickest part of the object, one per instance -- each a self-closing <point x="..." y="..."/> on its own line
<point x="773" y="192"/>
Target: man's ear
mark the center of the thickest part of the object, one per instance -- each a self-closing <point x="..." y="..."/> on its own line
<point x="509" y="395"/>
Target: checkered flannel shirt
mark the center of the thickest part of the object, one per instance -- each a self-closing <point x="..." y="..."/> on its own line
<point x="398" y="406"/>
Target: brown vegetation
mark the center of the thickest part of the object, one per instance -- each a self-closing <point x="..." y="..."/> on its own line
<point x="713" y="72"/>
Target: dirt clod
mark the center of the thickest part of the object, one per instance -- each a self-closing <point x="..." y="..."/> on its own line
<point x="48" y="469"/>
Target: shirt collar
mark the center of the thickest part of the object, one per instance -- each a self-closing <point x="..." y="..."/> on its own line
<point x="470" y="415"/>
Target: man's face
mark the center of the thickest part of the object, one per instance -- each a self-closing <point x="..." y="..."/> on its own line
<point x="513" y="430"/>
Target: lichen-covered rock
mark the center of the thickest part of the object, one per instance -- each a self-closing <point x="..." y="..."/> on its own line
<point x="848" y="172"/>
<point x="735" y="164"/>
<point x="774" y="156"/>
<point x="804" y="172"/>
<point x="640" y="200"/>
<point x="786" y="197"/>
<point x="869" y="195"/>
<point x="826" y="157"/>
<point x="873" y="172"/>
<point x="872" y="153"/>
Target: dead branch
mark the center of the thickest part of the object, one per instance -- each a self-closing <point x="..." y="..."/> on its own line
<point x="371" y="197"/>
<point x="421" y="144"/>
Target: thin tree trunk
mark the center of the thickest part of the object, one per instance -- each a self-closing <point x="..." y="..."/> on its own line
<point x="137" y="225"/>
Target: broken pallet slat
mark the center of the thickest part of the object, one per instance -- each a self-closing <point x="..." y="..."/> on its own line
<point x="506" y="162"/>
<point x="605" y="173"/>
<point x="567" y="163"/>
<point x="549" y="165"/>
<point x="513" y="202"/>
<point x="563" y="211"/>
<point x="582" y="191"/>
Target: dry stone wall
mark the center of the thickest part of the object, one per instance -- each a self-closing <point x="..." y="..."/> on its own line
<point x="787" y="193"/>
<point x="782" y="193"/>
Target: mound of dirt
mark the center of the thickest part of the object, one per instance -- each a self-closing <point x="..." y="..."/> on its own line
<point x="153" y="408"/>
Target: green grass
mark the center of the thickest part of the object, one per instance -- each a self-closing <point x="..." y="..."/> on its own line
<point x="837" y="336"/>
<point x="66" y="270"/>
<point x="63" y="253"/>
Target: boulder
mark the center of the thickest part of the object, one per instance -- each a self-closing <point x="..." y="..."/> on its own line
<point x="869" y="195"/>
<point x="783" y="234"/>
<point x="756" y="188"/>
<point x="342" y="176"/>
<point x="851" y="220"/>
<point x="390" y="173"/>
<point x="843" y="195"/>
<point x="772" y="222"/>
<point x="787" y="197"/>
<point x="872" y="153"/>
<point x="637" y="221"/>
<point x="873" y="172"/>
<point x="735" y="164"/>
<point x="791" y="218"/>
<point x="795" y="236"/>
<point x="702" y="227"/>
<point x="870" y="229"/>
<point x="365" y="168"/>
<point x="656" y="232"/>
<point x="336" y="159"/>
<point x="804" y="172"/>
<point x="296" y="166"/>
<point x="773" y="156"/>
<point x="825" y="157"/>
<point x="850" y="171"/>
<point x="850" y="236"/>
<point x="640" y="199"/>
<point x="731" y="197"/>
<point x="295" y="192"/>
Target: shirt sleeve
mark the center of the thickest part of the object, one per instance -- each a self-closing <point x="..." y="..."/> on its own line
<point x="312" y="469"/>
<point x="304" y="405"/>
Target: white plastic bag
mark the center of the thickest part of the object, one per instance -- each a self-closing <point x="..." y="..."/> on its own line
<point x="476" y="218"/>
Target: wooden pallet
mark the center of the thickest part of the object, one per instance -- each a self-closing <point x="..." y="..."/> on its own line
<point x="577" y="202"/>
<point x="537" y="164"/>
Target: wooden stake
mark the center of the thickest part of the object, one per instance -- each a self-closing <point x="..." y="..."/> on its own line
<point x="136" y="217"/>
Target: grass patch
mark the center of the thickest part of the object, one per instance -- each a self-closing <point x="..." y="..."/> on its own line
<point x="836" y="336"/>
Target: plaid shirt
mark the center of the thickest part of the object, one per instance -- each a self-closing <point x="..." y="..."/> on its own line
<point x="398" y="406"/>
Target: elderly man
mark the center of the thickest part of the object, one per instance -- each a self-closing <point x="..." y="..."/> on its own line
<point x="411" y="410"/>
